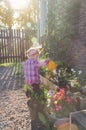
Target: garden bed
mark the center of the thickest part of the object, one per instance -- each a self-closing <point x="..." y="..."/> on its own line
<point x="74" y="91"/>
<point x="46" y="82"/>
<point x="55" y="94"/>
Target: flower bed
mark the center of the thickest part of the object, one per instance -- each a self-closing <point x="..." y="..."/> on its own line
<point x="74" y="90"/>
<point x="54" y="96"/>
<point x="46" y="82"/>
<point x="62" y="76"/>
<point x="57" y="102"/>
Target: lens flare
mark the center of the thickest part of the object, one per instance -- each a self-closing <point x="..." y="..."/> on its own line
<point x="18" y="4"/>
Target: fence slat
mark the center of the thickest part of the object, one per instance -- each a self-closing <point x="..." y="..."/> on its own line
<point x="13" y="44"/>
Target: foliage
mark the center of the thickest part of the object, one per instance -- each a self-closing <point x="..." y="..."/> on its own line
<point x="62" y="76"/>
<point x="62" y="19"/>
<point x="7" y="64"/>
<point x="44" y="121"/>
<point x="26" y="15"/>
<point x="6" y="13"/>
<point x="56" y="104"/>
<point x="59" y="104"/>
<point x="40" y="96"/>
<point x="67" y="75"/>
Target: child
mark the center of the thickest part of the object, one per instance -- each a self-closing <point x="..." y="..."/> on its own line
<point x="31" y="68"/>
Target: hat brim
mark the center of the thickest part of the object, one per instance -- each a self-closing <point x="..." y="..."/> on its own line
<point x="31" y="52"/>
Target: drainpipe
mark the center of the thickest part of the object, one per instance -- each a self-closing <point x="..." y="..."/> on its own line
<point x="38" y="21"/>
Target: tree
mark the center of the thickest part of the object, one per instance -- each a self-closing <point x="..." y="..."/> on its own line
<point x="27" y="14"/>
<point x="6" y="13"/>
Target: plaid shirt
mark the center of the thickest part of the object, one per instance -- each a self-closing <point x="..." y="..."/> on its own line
<point x="31" y="73"/>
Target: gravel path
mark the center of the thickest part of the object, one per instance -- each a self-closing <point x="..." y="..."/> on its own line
<point x="14" y="112"/>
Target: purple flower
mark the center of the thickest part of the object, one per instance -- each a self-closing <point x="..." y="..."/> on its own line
<point x="50" y="93"/>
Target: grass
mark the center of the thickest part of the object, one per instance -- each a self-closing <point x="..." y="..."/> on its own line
<point x="18" y="67"/>
<point x="7" y="64"/>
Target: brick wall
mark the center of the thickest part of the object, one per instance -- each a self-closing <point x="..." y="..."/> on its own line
<point x="79" y="46"/>
<point x="75" y="31"/>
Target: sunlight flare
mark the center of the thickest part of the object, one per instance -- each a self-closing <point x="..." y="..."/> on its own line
<point x="16" y="15"/>
<point x="18" y="4"/>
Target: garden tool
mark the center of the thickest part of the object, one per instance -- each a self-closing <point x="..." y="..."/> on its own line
<point x="51" y="65"/>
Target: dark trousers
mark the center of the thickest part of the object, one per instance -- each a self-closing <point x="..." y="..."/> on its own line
<point x="36" y="87"/>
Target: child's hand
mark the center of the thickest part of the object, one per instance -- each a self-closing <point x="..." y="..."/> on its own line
<point x="47" y="60"/>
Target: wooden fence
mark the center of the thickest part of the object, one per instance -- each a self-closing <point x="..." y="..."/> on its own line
<point x="13" y="44"/>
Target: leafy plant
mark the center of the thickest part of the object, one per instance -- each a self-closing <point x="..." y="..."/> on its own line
<point x="61" y="27"/>
<point x="67" y="75"/>
<point x="26" y="88"/>
<point x="45" y="122"/>
<point x="40" y="96"/>
<point x="59" y="104"/>
<point x="62" y="76"/>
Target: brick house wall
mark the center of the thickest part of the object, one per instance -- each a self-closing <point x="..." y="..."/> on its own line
<point x="75" y="54"/>
<point x="79" y="46"/>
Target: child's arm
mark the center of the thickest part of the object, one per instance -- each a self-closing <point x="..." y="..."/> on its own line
<point x="43" y="63"/>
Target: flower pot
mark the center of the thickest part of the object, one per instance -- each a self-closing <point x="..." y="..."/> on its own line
<point x="64" y="124"/>
<point x="34" y="107"/>
<point x="67" y="127"/>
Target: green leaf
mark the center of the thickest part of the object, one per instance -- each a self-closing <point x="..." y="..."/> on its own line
<point x="27" y="88"/>
<point x="42" y="118"/>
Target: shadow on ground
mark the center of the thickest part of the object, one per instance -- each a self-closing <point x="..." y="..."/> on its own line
<point x="9" y="80"/>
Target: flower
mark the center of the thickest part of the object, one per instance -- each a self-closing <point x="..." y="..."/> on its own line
<point x="59" y="95"/>
<point x="50" y="93"/>
<point x="58" y="107"/>
<point x="79" y="72"/>
<point x="56" y="101"/>
<point x="60" y="103"/>
<point x="63" y="76"/>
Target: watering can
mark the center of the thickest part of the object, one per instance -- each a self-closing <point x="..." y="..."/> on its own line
<point x="51" y="65"/>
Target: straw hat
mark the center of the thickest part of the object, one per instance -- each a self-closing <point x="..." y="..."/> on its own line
<point x="33" y="50"/>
